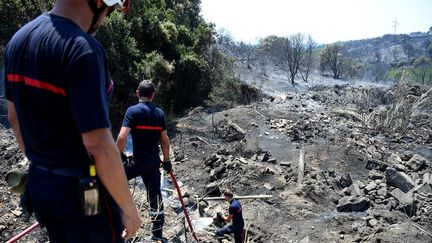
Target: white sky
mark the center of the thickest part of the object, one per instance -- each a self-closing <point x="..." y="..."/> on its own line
<point x="326" y="21"/>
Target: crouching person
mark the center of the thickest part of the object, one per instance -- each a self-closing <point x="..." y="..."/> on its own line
<point x="235" y="214"/>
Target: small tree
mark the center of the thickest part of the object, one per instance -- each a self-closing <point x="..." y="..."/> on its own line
<point x="289" y="53"/>
<point x="224" y="37"/>
<point x="333" y="58"/>
<point x="246" y="51"/>
<point x="309" y="60"/>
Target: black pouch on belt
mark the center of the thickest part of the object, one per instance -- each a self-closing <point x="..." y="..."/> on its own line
<point x="90" y="196"/>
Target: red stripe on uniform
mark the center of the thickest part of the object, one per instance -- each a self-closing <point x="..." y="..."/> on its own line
<point x="154" y="128"/>
<point x="110" y="86"/>
<point x="35" y="83"/>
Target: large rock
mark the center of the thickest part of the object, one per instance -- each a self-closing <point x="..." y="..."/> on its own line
<point x="344" y="181"/>
<point x="399" y="179"/>
<point x="376" y="164"/>
<point x="382" y="192"/>
<point x="355" y="189"/>
<point x="218" y="172"/>
<point x="406" y="201"/>
<point x="352" y="204"/>
<point x="417" y="163"/>
<point x="424" y="188"/>
<point x="427" y="178"/>
<point x="213" y="189"/>
<point x="212" y="161"/>
<point x="375" y="175"/>
<point x="371" y="186"/>
<point x="394" y="159"/>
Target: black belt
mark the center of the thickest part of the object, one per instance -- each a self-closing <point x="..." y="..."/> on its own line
<point x="58" y="171"/>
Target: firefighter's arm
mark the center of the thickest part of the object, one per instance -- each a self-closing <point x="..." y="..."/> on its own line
<point x="229" y="217"/>
<point x="165" y="145"/>
<point x="13" y="120"/>
<point x="122" y="138"/>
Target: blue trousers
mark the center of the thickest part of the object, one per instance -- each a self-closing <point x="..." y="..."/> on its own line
<point x="55" y="199"/>
<point x="238" y="232"/>
<point x="151" y="181"/>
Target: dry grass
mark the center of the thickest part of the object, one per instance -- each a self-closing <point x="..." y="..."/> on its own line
<point x="394" y="110"/>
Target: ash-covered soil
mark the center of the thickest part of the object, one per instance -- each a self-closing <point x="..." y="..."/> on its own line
<point x="366" y="150"/>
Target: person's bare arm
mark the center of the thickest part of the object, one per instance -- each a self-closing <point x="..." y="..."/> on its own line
<point x="229" y="217"/>
<point x="110" y="171"/>
<point x="122" y="138"/>
<point x="13" y="120"/>
<point x="165" y="145"/>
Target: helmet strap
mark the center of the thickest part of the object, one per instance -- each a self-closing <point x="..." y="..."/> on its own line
<point x="96" y="13"/>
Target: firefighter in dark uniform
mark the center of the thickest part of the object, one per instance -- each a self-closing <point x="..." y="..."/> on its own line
<point x="147" y="124"/>
<point x="235" y="214"/>
<point x="57" y="86"/>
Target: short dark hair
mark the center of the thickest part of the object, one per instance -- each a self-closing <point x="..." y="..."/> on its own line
<point x="228" y="193"/>
<point x="146" y="88"/>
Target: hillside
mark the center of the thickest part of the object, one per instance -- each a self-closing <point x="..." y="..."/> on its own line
<point x="391" y="49"/>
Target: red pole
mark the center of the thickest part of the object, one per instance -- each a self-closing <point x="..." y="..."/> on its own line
<point x="183" y="205"/>
<point x="22" y="234"/>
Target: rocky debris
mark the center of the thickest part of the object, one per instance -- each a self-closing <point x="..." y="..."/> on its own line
<point x="406" y="201"/>
<point x="426" y="186"/>
<point x="213" y="189"/>
<point x="229" y="131"/>
<point x="282" y="125"/>
<point x="353" y="204"/>
<point x="355" y="189"/>
<point x="399" y="179"/>
<point x="375" y="175"/>
<point x="403" y="197"/>
<point x="344" y="181"/>
<point x="416" y="163"/>
<point x="376" y="164"/>
<point x="262" y="158"/>
<point x="17" y="212"/>
<point x="370" y="187"/>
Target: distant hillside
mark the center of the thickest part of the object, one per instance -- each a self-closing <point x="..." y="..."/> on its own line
<point x="391" y="49"/>
<point x="398" y="58"/>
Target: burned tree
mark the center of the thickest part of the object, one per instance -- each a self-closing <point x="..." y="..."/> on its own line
<point x="290" y="54"/>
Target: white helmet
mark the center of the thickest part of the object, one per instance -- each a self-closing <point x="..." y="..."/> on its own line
<point x="120" y="5"/>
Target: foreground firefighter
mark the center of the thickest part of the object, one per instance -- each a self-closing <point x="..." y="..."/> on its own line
<point x="147" y="124"/>
<point x="235" y="214"/>
<point x="57" y="87"/>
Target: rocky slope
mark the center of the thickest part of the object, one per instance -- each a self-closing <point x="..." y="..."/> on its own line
<point x="367" y="171"/>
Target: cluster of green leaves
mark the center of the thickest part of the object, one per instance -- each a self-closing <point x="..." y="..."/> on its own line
<point x="166" y="41"/>
<point x="333" y="58"/>
<point x="15" y="13"/>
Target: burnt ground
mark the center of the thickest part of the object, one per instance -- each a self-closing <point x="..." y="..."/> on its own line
<point x="367" y="178"/>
